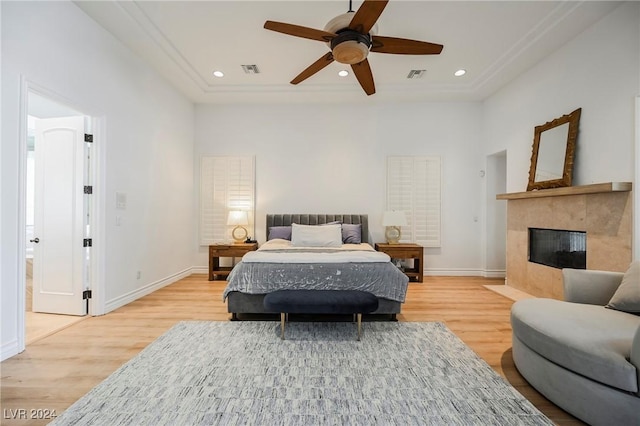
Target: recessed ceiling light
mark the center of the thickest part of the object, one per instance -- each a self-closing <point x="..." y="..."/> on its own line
<point x="460" y="73"/>
<point x="218" y="73"/>
<point x="343" y="73"/>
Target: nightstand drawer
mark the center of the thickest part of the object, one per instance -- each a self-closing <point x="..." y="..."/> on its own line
<point x="229" y="251"/>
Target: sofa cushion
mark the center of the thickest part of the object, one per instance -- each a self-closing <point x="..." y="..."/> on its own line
<point x="627" y="296"/>
<point x="587" y="339"/>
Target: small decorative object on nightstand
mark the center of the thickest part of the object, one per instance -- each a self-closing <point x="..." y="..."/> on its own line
<point x="393" y="220"/>
<point x="216" y="251"/>
<point x="406" y="251"/>
<point x="239" y="219"/>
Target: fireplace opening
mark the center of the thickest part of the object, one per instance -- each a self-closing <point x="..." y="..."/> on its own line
<point x="558" y="248"/>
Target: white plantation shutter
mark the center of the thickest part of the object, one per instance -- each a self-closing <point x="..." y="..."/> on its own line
<point x="226" y="183"/>
<point x="413" y="186"/>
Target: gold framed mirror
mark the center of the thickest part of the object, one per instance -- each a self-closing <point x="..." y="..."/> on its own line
<point x="554" y="146"/>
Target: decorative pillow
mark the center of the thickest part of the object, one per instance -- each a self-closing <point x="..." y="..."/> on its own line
<point x="351" y="234"/>
<point x="316" y="236"/>
<point x="627" y="296"/>
<point x="283" y="232"/>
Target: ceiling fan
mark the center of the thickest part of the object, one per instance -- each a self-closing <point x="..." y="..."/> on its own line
<point x="351" y="36"/>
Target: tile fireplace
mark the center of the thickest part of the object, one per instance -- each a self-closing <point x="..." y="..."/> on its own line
<point x="602" y="212"/>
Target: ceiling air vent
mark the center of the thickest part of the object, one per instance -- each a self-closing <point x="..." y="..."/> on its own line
<point x="416" y="73"/>
<point x="251" y="69"/>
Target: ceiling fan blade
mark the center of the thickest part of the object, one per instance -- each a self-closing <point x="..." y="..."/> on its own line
<point x="366" y="17"/>
<point x="403" y="46"/>
<point x="299" y="31"/>
<point x="362" y="70"/>
<point x="313" y="68"/>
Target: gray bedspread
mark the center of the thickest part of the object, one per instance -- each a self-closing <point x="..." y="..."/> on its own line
<point x="381" y="279"/>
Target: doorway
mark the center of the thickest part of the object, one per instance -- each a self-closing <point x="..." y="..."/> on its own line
<point x="57" y="217"/>
<point x="496" y="241"/>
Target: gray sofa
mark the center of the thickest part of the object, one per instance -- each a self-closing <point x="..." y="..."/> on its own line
<point x="581" y="355"/>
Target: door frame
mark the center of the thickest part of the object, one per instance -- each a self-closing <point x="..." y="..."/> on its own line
<point x="495" y="164"/>
<point x="635" y="244"/>
<point x="97" y="260"/>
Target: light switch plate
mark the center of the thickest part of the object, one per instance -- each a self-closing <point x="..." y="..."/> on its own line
<point x="121" y="200"/>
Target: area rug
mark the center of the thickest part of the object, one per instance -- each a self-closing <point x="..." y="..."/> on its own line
<point x="241" y="373"/>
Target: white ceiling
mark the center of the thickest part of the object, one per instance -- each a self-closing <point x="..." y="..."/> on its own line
<point x="494" y="41"/>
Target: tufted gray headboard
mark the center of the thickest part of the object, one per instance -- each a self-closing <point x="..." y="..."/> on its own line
<point x="319" y="219"/>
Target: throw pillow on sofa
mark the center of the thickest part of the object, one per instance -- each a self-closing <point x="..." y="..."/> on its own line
<point x="627" y="296"/>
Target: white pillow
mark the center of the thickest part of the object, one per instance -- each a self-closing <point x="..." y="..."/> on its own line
<point x="316" y="236"/>
<point x="627" y="296"/>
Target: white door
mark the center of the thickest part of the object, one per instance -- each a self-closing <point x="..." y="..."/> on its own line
<point x="58" y="254"/>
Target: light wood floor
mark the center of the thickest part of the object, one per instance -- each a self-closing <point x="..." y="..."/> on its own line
<point x="39" y="325"/>
<point x="56" y="371"/>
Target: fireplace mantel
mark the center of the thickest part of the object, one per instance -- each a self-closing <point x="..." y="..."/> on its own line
<point x="569" y="190"/>
<point x="601" y="210"/>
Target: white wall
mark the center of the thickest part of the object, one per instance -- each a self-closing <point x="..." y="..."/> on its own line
<point x="596" y="71"/>
<point x="146" y="132"/>
<point x="332" y="159"/>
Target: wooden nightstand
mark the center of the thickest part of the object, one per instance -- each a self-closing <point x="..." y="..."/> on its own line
<point x="406" y="251"/>
<point x="216" y="251"/>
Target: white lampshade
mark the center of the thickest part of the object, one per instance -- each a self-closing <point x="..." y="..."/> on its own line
<point x="394" y="218"/>
<point x="237" y="218"/>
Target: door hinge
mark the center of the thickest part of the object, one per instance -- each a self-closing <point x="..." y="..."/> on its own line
<point x="88" y="189"/>
<point x="88" y="138"/>
<point x="87" y="242"/>
<point x="86" y="294"/>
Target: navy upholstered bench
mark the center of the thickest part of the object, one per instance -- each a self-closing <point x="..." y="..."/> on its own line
<point x="354" y="302"/>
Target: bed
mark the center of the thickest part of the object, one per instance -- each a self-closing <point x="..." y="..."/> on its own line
<point x="294" y="257"/>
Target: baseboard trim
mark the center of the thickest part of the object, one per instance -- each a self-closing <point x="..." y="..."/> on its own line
<point x="494" y="273"/>
<point x="9" y="349"/>
<point x="200" y="270"/>
<point x="453" y="272"/>
<point x="143" y="291"/>
<point x="485" y="273"/>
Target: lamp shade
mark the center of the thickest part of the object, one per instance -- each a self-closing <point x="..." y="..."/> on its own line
<point x="237" y="218"/>
<point x="394" y="218"/>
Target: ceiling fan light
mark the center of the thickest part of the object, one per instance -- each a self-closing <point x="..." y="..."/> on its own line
<point x="343" y="73"/>
<point x="341" y="22"/>
<point x="350" y="52"/>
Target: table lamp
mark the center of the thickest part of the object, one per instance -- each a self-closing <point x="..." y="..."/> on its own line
<point x="239" y="219"/>
<point x="393" y="220"/>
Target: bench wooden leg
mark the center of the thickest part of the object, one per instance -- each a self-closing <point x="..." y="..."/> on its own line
<point x="359" y="326"/>
<point x="282" y="321"/>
